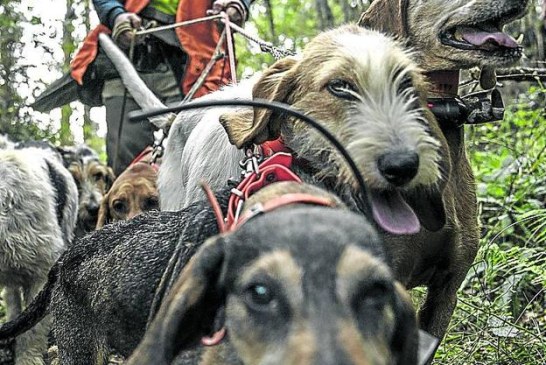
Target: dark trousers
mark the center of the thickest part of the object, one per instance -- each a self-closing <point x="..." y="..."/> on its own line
<point x="135" y="136"/>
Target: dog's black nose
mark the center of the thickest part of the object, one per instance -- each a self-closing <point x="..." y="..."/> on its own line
<point x="398" y="168"/>
<point x="93" y="209"/>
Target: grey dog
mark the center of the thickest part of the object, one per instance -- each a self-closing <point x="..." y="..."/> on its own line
<point x="38" y="208"/>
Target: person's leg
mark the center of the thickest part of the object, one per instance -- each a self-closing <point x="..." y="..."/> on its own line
<point x="135" y="136"/>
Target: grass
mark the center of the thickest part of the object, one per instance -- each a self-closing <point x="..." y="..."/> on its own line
<point x="501" y="316"/>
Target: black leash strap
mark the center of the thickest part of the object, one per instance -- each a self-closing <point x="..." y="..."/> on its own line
<point x="278" y="107"/>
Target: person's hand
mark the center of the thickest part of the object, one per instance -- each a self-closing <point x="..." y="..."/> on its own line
<point x="234" y="9"/>
<point x="124" y="24"/>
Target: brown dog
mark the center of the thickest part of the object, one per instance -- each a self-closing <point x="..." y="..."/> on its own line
<point x="133" y="192"/>
<point x="451" y="34"/>
<point x="447" y="35"/>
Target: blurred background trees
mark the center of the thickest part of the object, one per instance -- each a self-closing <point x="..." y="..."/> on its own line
<point x="56" y="33"/>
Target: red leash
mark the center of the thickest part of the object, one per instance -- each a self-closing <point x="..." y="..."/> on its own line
<point x="141" y="157"/>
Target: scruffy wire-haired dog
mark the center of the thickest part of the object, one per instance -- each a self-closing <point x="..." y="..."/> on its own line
<point x="38" y="205"/>
<point x="299" y="285"/>
<point x="365" y="89"/>
<point x="93" y="179"/>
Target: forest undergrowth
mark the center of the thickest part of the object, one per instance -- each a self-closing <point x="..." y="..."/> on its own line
<point x="500" y="317"/>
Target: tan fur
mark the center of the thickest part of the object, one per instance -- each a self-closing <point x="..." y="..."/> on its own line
<point x="351" y="341"/>
<point x="354" y="262"/>
<point x="421" y="22"/>
<point x="273" y="86"/>
<point x="133" y="192"/>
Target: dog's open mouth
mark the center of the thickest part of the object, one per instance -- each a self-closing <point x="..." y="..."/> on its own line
<point x="393" y="214"/>
<point x="486" y="37"/>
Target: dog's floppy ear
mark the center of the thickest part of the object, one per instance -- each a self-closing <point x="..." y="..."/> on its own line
<point x="428" y="205"/>
<point x="387" y="16"/>
<point x="404" y="341"/>
<point x="274" y="85"/>
<point x="104" y="212"/>
<point x="188" y="312"/>
<point x="109" y="177"/>
<point x="67" y="154"/>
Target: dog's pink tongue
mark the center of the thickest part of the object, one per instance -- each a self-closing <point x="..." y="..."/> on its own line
<point x="479" y="38"/>
<point x="393" y="214"/>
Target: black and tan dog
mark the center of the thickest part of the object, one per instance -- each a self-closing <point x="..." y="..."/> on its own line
<point x="299" y="285"/>
<point x="447" y="36"/>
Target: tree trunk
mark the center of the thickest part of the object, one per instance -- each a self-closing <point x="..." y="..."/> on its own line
<point x="325" y="16"/>
<point x="269" y="15"/>
<point x="13" y="120"/>
<point x="65" y="134"/>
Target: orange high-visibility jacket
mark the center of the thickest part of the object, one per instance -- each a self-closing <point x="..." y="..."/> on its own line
<point x="198" y="41"/>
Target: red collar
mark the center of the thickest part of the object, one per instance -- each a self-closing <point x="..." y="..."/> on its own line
<point x="282" y="201"/>
<point x="444" y="83"/>
<point x="275" y="168"/>
<point x="142" y="157"/>
<point x="269" y="148"/>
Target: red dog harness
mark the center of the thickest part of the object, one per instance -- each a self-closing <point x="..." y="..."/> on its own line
<point x="143" y="157"/>
<point x="275" y="168"/>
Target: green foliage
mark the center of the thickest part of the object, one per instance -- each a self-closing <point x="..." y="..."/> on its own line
<point x="500" y="317"/>
<point x="295" y="23"/>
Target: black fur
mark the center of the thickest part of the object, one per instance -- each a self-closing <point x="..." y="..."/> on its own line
<point x="61" y="191"/>
<point x="104" y="284"/>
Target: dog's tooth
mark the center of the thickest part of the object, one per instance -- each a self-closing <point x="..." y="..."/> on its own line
<point x="519" y="40"/>
<point x="458" y="35"/>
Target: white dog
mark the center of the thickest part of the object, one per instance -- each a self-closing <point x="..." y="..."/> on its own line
<point x="38" y="209"/>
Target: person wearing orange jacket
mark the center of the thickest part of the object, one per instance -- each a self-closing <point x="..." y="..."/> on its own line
<point x="169" y="62"/>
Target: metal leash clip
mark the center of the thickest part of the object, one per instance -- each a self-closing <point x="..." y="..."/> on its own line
<point x="157" y="149"/>
<point x="477" y="108"/>
<point x="251" y="163"/>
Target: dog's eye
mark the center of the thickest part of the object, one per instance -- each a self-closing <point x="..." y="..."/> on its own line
<point x="372" y="298"/>
<point x="342" y="89"/>
<point x="98" y="176"/>
<point x="260" y="297"/>
<point x="119" y="206"/>
<point x="150" y="204"/>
